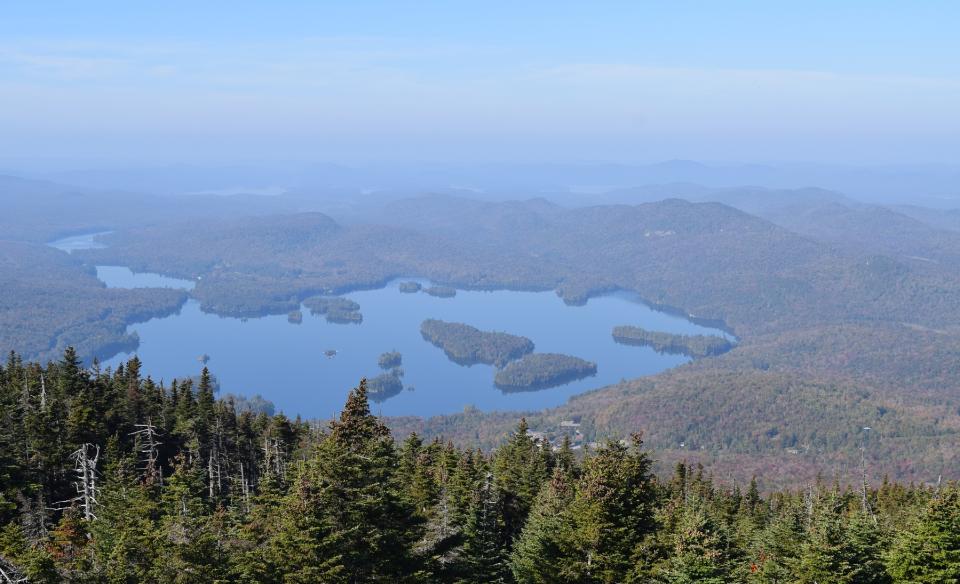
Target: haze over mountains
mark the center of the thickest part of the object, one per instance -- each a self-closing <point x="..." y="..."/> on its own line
<point x="930" y="185"/>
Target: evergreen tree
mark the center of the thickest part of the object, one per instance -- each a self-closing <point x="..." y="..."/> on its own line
<point x="520" y="468"/>
<point x="485" y="548"/>
<point x="125" y="527"/>
<point x="612" y="511"/>
<point x="865" y="544"/>
<point x="82" y="424"/>
<point x="305" y="547"/>
<point x="775" y="552"/>
<point x="823" y="554"/>
<point x="929" y="551"/>
<point x="701" y="548"/>
<point x="255" y="549"/>
<point x="543" y="550"/>
<point x="188" y="549"/>
<point x="26" y="560"/>
<point x="261" y="498"/>
<point x="355" y="470"/>
<point x="565" y="458"/>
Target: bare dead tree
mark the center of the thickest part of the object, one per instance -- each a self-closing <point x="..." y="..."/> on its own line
<point x="217" y="459"/>
<point x="809" y="500"/>
<point x="863" y="477"/>
<point x="210" y="473"/>
<point x="9" y="573"/>
<point x="43" y="392"/>
<point x="273" y="458"/>
<point x="244" y="490"/>
<point x="221" y="455"/>
<point x="146" y="436"/>
<point x="85" y="465"/>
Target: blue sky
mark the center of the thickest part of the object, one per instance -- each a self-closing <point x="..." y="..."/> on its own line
<point x="134" y="82"/>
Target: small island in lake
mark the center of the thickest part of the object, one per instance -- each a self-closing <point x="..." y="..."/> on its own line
<point x="295" y="317"/>
<point x="441" y="291"/>
<point x="542" y="370"/>
<point x="390" y="360"/>
<point x="337" y="310"/>
<point x="410" y="287"/>
<point x="696" y="346"/>
<point x="386" y="385"/>
<point x="467" y="345"/>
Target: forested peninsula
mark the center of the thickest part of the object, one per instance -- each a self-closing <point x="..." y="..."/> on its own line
<point x="178" y="486"/>
<point x="696" y="346"/>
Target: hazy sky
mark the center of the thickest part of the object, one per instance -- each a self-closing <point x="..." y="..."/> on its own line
<point x="213" y="82"/>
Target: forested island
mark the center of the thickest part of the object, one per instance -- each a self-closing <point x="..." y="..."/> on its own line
<point x="441" y="291"/>
<point x="295" y="317"/>
<point x="410" y="287"/>
<point x="696" y="346"/>
<point x="182" y="487"/>
<point x="467" y="345"/>
<point x="542" y="370"/>
<point x="337" y="310"/>
<point x="390" y="359"/>
<point x="386" y="385"/>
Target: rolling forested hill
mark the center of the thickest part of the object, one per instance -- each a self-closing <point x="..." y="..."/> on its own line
<point x="51" y="301"/>
<point x="840" y="311"/>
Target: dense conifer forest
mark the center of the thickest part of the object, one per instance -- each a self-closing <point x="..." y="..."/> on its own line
<point x="109" y="477"/>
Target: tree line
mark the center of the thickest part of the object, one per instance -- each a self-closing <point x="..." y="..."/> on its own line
<point x="107" y="476"/>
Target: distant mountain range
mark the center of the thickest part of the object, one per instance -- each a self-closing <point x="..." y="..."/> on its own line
<point x="931" y="185"/>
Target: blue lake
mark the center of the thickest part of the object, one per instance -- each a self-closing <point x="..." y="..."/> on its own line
<point x="285" y="362"/>
<point x="75" y="242"/>
<point x="124" y="277"/>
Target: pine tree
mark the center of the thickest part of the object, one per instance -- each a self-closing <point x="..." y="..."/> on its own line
<point x="823" y="554"/>
<point x="305" y="548"/>
<point x="542" y="552"/>
<point x="865" y="543"/>
<point x="20" y="557"/>
<point x="520" y="468"/>
<point x="123" y="534"/>
<point x="775" y="552"/>
<point x="188" y="550"/>
<point x="929" y="551"/>
<point x="485" y="547"/>
<point x="464" y="482"/>
<point x="355" y="470"/>
<point x="565" y="458"/>
<point x="613" y="511"/>
<point x="82" y="425"/>
<point x="253" y="547"/>
<point x="701" y="548"/>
